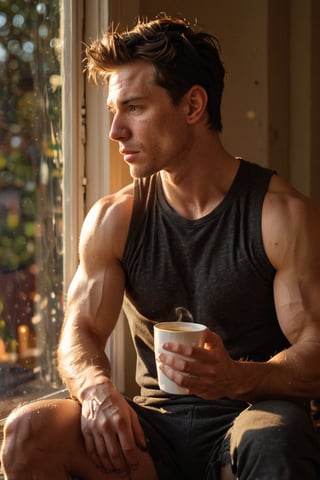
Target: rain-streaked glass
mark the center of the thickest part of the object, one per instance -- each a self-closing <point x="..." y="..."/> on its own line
<point x="31" y="246"/>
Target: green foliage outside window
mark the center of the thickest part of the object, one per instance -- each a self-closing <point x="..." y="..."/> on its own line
<point x="30" y="190"/>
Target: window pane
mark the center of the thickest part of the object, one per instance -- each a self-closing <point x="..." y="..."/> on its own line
<point x="31" y="200"/>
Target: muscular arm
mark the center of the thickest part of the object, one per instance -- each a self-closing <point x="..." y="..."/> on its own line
<point x="95" y="295"/>
<point x="110" y="427"/>
<point x="291" y="230"/>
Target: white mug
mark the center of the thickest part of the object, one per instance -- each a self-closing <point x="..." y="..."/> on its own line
<point x="180" y="332"/>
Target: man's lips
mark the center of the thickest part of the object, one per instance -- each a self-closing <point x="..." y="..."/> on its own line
<point x="129" y="155"/>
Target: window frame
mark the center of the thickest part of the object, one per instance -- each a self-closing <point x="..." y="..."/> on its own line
<point x="73" y="147"/>
<point x="86" y="147"/>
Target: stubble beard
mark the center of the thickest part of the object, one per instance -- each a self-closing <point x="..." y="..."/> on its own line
<point x="142" y="172"/>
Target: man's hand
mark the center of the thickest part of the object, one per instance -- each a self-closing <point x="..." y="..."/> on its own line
<point x="111" y="430"/>
<point x="210" y="373"/>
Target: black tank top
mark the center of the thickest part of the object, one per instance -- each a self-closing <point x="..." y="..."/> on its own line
<point x="215" y="266"/>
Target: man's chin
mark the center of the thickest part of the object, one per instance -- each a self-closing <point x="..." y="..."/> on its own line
<point x="136" y="173"/>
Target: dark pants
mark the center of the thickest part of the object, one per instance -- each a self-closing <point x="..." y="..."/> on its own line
<point x="270" y="440"/>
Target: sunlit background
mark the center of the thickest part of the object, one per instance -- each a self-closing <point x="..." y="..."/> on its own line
<point x="30" y="197"/>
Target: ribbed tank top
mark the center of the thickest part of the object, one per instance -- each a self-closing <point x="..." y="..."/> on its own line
<point x="215" y="266"/>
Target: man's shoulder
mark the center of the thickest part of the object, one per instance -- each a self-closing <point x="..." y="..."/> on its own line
<point x="112" y="207"/>
<point x="107" y="222"/>
<point x="283" y="200"/>
<point x="289" y="219"/>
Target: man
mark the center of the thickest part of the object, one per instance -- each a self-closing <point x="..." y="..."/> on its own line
<point x="230" y="241"/>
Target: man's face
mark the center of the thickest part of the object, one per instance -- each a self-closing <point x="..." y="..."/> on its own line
<point x="152" y="133"/>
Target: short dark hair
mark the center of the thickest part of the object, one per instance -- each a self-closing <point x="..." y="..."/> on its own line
<point x="182" y="57"/>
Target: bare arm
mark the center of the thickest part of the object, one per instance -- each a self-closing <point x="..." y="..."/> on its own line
<point x="291" y="229"/>
<point x="110" y="427"/>
<point x="291" y="232"/>
<point x="94" y="298"/>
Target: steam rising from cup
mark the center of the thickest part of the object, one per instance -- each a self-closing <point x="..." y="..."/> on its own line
<point x="183" y="315"/>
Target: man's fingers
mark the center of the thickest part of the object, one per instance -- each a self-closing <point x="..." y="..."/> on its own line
<point x="138" y="432"/>
<point x="91" y="449"/>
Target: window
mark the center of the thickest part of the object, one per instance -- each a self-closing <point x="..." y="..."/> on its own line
<point x="31" y="199"/>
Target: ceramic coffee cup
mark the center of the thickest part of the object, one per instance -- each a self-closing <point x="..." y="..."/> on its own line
<point x="180" y="332"/>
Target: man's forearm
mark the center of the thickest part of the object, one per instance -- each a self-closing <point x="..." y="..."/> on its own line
<point x="82" y="363"/>
<point x="292" y="374"/>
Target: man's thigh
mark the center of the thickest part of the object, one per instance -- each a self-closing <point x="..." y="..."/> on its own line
<point x="185" y="439"/>
<point x="274" y="439"/>
<point x="45" y="438"/>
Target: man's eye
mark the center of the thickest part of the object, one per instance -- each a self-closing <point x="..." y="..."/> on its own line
<point x="133" y="108"/>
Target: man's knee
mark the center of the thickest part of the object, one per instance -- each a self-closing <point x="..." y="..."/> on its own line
<point x="282" y="419"/>
<point x="36" y="431"/>
<point x="274" y="430"/>
<point x="17" y="441"/>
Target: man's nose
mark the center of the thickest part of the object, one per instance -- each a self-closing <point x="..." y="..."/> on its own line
<point x="118" y="131"/>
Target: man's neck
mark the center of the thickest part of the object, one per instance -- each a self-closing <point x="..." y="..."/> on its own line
<point x="197" y="190"/>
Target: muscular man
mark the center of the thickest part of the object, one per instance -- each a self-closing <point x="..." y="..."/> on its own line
<point x="227" y="239"/>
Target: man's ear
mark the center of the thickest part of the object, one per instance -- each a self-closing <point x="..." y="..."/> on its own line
<point x="196" y="103"/>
